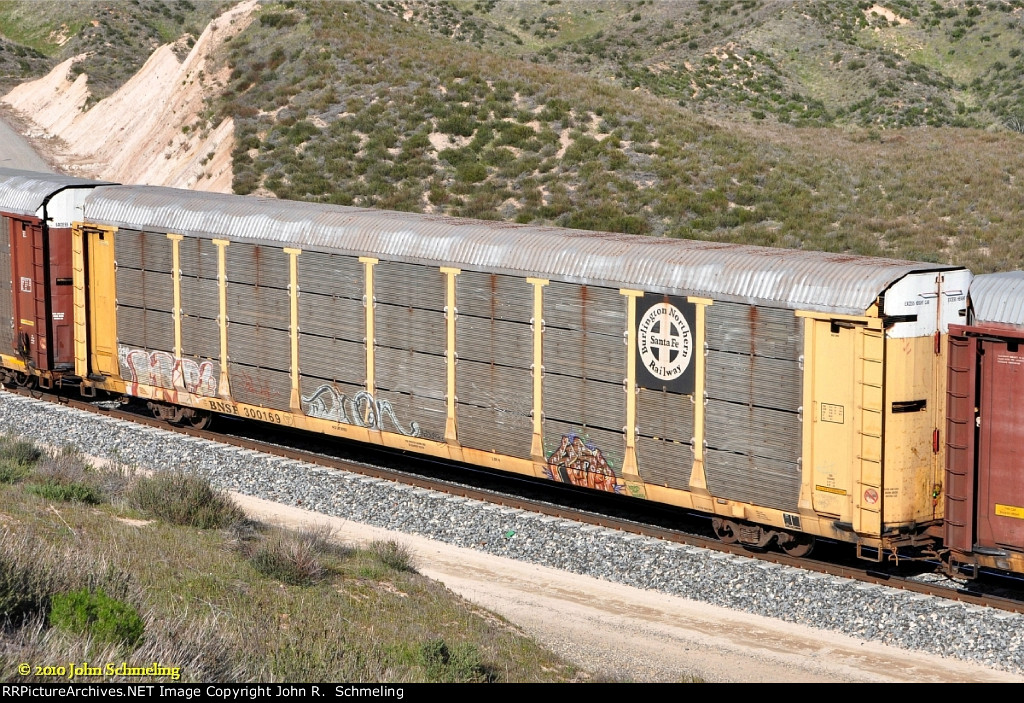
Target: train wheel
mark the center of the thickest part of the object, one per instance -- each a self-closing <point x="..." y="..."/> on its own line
<point x="24" y="380"/>
<point x="725" y="530"/>
<point x="199" y="420"/>
<point x="798" y="545"/>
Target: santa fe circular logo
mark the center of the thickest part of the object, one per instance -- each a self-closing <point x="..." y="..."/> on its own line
<point x="665" y="342"/>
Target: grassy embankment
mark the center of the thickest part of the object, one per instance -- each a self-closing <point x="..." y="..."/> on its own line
<point x="101" y="565"/>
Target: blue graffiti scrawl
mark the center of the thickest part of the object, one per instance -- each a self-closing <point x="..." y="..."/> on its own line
<point x="581" y="463"/>
<point x="361" y="409"/>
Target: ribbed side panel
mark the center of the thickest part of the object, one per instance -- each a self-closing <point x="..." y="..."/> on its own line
<point x="590" y="308"/>
<point x="252" y="265"/>
<point x="584" y="366"/>
<point x="733" y="426"/>
<point x="494" y="296"/>
<point x="131" y="328"/>
<point x="260" y="386"/>
<point x="411" y="336"/>
<point x="200" y="337"/>
<point x="758" y="480"/>
<point x="332" y="359"/>
<point x="410" y="372"/>
<point x="664" y="462"/>
<point x="143" y="250"/>
<point x="578" y="353"/>
<point x="410" y="328"/>
<point x="200" y="297"/>
<point x="145" y="329"/>
<point x="198" y="258"/>
<point x="492" y="386"/>
<point x="754" y="389"/>
<point x="145" y="289"/>
<point x="585" y="402"/>
<point x="494" y="430"/>
<point x="331" y="275"/>
<point x="664" y="415"/>
<point x="665" y="430"/>
<point x="6" y="294"/>
<point x="506" y="343"/>
<point x="251" y="305"/>
<point x="611" y="445"/>
<point x="340" y="399"/>
<point x="765" y="375"/>
<point x="412" y="382"/>
<point x="259" y="346"/>
<point x="332" y="317"/>
<point x="413" y="414"/>
<point x="752" y="330"/>
<point x="494" y="383"/>
<point x="410" y="285"/>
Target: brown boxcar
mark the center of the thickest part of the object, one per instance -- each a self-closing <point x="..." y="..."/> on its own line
<point x="985" y="445"/>
<point x="36" y="319"/>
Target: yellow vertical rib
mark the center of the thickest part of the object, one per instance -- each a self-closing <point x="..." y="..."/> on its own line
<point x="369" y="302"/>
<point x="698" y="478"/>
<point x="293" y="327"/>
<point x="451" y="313"/>
<point x="81" y="324"/>
<point x="176" y="278"/>
<point x="224" y="389"/>
<point x="629" y="465"/>
<point x="537" y="445"/>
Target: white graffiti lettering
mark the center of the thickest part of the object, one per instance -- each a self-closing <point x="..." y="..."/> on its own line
<point x="362" y="410"/>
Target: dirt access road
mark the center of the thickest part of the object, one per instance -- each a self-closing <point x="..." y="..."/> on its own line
<point x="17" y="152"/>
<point x="623" y="633"/>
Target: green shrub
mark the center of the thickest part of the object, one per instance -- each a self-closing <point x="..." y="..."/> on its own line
<point x="474" y="172"/>
<point x="392" y="554"/>
<point x="17" y="457"/>
<point x="94" y="613"/>
<point x="67" y="492"/>
<point x="13" y="471"/>
<point x="292" y="557"/>
<point x="458" y="124"/>
<point x="65" y="475"/>
<point x="19" y="451"/>
<point x="183" y="499"/>
<point x="458" y="664"/>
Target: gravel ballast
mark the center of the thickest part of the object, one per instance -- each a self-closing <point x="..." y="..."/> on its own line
<point x="989" y="637"/>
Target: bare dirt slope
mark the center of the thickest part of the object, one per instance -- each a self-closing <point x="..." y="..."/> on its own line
<point x="149" y="131"/>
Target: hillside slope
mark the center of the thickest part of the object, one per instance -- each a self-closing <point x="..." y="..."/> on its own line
<point x="888" y="64"/>
<point x="483" y="110"/>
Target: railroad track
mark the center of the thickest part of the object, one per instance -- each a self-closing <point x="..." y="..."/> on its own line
<point x="874" y="575"/>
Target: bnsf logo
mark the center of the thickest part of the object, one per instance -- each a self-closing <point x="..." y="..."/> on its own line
<point x="665" y="342"/>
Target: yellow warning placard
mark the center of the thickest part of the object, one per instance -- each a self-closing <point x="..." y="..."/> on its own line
<point x="1010" y="511"/>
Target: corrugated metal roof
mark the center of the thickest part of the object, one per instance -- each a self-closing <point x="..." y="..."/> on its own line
<point x="999" y="297"/>
<point x="24" y="192"/>
<point x="838" y="283"/>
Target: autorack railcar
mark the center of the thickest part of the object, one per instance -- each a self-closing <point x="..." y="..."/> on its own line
<point x="788" y="394"/>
